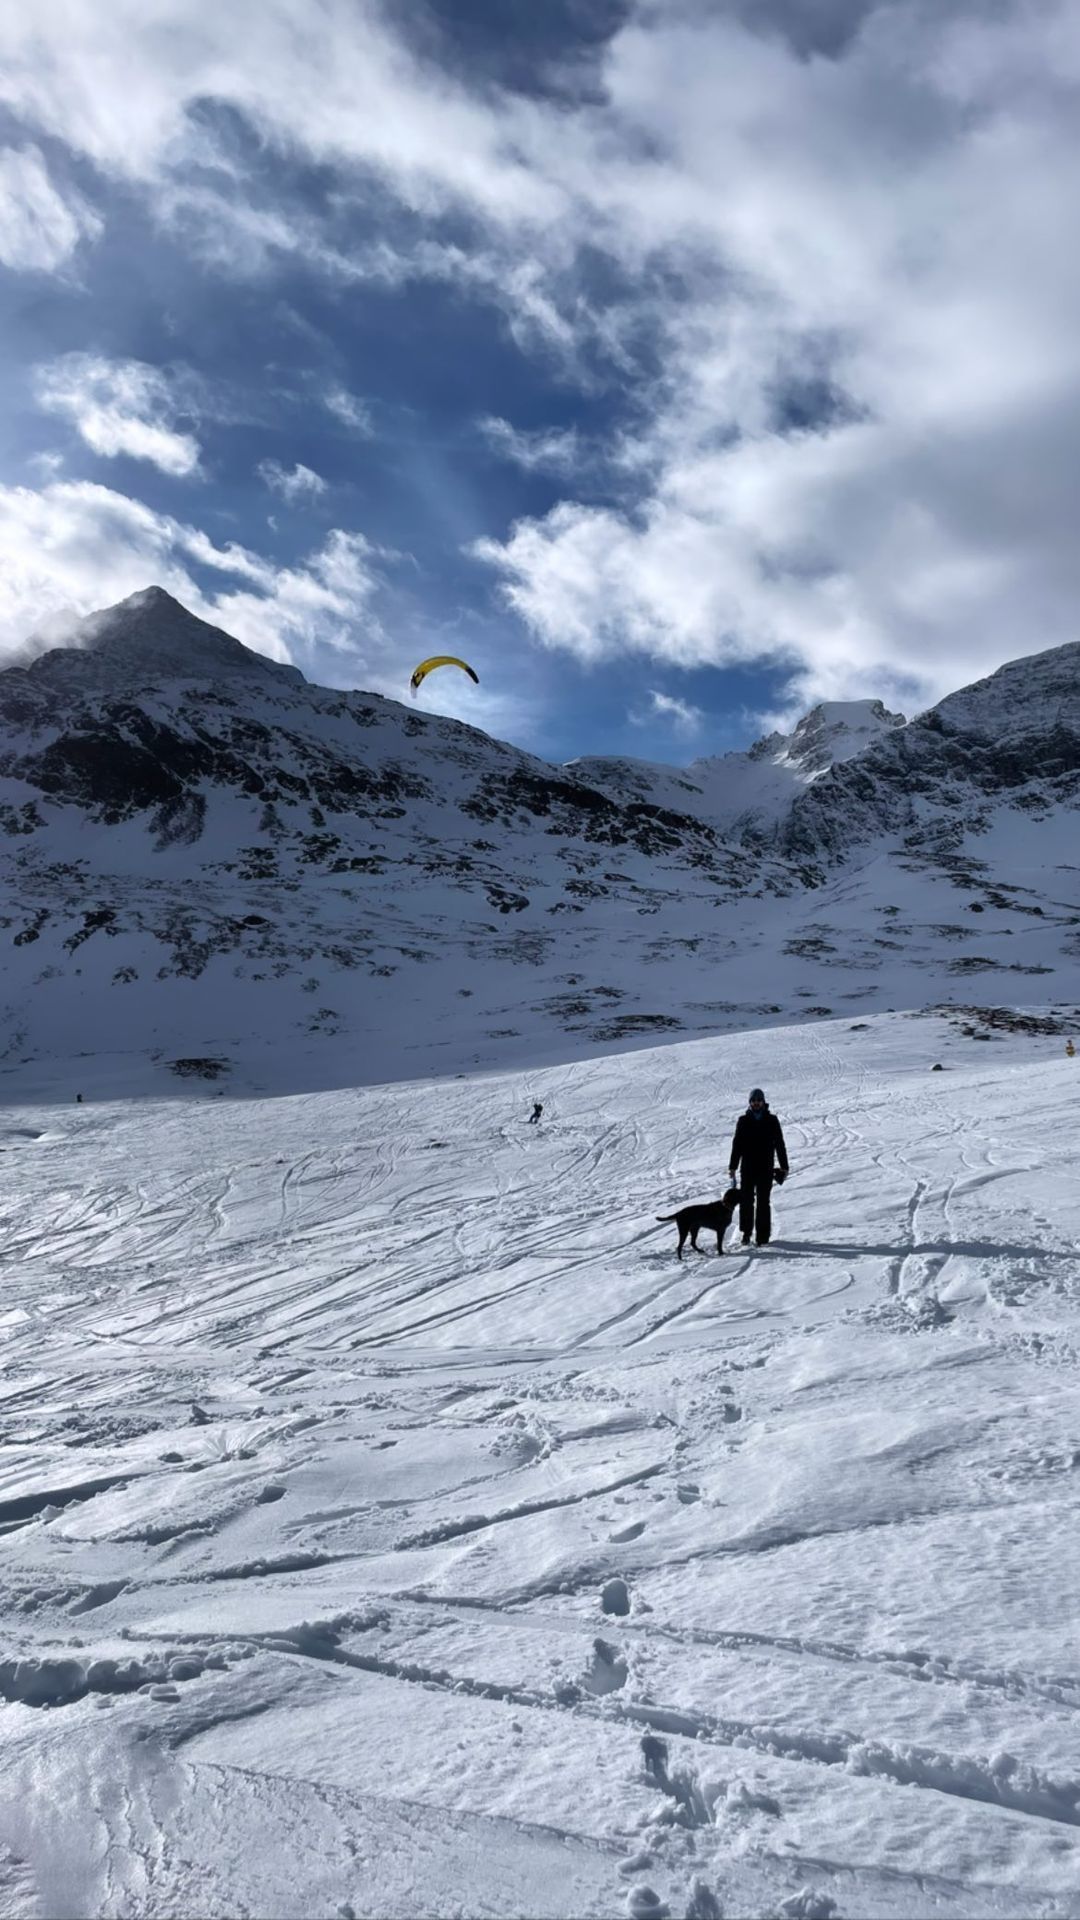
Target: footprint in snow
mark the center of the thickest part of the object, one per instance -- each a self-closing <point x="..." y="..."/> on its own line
<point x="702" y="1903"/>
<point x="810" y="1904"/>
<point x="739" y="1798"/>
<point x="635" y="1863"/>
<point x="615" y="1597"/>
<point x="607" y="1670"/>
<point x="631" y="1532"/>
<point x="692" y="1805"/>
<point x="644" y="1903"/>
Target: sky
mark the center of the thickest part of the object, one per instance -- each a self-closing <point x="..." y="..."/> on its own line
<point x="677" y="364"/>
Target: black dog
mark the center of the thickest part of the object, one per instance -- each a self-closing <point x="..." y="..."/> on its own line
<point x="717" y="1214"/>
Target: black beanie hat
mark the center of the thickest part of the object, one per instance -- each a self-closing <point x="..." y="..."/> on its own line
<point x="756" y="1093"/>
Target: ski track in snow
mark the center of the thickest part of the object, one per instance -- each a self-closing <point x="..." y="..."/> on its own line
<point x="393" y="1525"/>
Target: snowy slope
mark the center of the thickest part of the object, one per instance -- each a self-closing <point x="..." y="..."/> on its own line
<point x="1033" y="698"/>
<point x="208" y="860"/>
<point x="393" y="1526"/>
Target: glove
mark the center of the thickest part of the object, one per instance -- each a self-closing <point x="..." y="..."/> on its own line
<point x="780" y="1176"/>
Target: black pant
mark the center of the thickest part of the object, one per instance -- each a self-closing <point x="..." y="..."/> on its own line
<point x="755" y="1188"/>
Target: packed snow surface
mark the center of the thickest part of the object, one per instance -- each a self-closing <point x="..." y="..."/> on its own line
<point x="394" y="1526"/>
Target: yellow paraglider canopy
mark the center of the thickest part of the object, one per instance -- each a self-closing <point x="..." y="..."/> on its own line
<point x="441" y="660"/>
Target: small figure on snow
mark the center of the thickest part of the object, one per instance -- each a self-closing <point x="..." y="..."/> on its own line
<point x="1070" y="1049"/>
<point x="758" y="1143"/>
<point x="536" y="1112"/>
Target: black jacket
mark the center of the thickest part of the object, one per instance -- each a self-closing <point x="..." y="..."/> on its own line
<point x="755" y="1144"/>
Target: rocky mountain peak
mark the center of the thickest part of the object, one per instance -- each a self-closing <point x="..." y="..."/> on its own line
<point x="148" y="637"/>
<point x="833" y="731"/>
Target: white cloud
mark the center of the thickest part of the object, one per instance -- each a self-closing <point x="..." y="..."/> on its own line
<point x="119" y="407"/>
<point x="840" y="221"/>
<point x="346" y="407"/>
<point x="542" y="450"/>
<point x="293" y="484"/>
<point x="39" y="228"/>
<point x="686" y="718"/>
<point x="119" y="86"/>
<point x="73" y="547"/>
<point x="326" y="603"/>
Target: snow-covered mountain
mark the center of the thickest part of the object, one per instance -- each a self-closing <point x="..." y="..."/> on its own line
<point x="746" y="795"/>
<point x="207" y="859"/>
<point x="834" y="731"/>
<point x="955" y="778"/>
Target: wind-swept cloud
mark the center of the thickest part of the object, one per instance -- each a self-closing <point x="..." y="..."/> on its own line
<point x="349" y="409"/>
<point x="681" y="714"/>
<point x="293" y="484"/>
<point x="48" y="463"/>
<point x="539" y="450"/>
<point x="119" y="407"/>
<point x="72" y="547"/>
<point x="40" y="228"/>
<point x="131" y="90"/>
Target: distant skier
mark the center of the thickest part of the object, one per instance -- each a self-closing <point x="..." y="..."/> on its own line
<point x="758" y="1143"/>
<point x="535" y="1114"/>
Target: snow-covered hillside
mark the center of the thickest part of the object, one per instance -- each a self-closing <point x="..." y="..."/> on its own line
<point x="213" y="868"/>
<point x="394" y="1527"/>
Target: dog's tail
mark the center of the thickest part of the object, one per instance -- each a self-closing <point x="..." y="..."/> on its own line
<point x="666" y="1216"/>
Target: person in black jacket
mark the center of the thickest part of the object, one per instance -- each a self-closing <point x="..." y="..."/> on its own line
<point x="758" y="1142"/>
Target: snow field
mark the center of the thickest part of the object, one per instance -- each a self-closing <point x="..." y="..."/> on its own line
<point x="392" y="1525"/>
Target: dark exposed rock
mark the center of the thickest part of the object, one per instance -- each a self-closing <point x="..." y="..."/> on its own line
<point x="626" y="1025"/>
<point x="99" y="920"/>
<point x="504" y="900"/>
<point x="978" y="1022"/>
